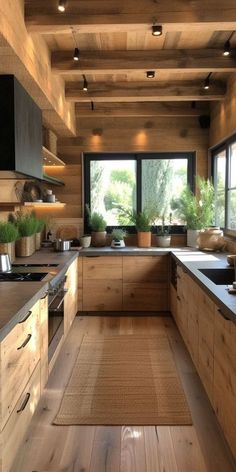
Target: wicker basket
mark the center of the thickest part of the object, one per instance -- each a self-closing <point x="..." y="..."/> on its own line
<point x="8" y="248"/>
<point x="25" y="246"/>
<point x="38" y="240"/>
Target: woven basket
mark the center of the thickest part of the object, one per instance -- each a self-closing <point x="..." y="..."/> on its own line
<point x="25" y="246"/>
<point x="8" y="248"/>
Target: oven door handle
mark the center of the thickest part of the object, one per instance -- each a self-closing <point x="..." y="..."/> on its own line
<point x="60" y="303"/>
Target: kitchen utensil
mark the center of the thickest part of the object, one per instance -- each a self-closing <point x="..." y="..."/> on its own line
<point x="5" y="264"/>
<point x="61" y="245"/>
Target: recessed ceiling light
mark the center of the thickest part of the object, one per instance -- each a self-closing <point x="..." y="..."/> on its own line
<point x="150" y="74"/>
<point x="156" y="30"/>
<point x="61" y="5"/>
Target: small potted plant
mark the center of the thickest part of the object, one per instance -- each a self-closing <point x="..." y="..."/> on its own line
<point x="26" y="224"/>
<point x="163" y="234"/>
<point x="118" y="235"/>
<point x="98" y="225"/>
<point x="8" y="236"/>
<point x="143" y="222"/>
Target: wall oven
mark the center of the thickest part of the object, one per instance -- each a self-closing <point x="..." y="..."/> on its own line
<point x="56" y="301"/>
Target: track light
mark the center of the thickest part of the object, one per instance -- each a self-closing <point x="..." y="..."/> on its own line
<point x="61" y="5"/>
<point x="76" y="54"/>
<point x="85" y="84"/>
<point x="150" y="74"/>
<point x="227" y="48"/>
<point x="156" y="30"/>
<point x="206" y="84"/>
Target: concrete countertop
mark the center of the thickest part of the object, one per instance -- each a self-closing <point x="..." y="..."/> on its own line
<point x="128" y="251"/>
<point x="17" y="298"/>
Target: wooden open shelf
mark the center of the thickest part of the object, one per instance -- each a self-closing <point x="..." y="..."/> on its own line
<point x="45" y="204"/>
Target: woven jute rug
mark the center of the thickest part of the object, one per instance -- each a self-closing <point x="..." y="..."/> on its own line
<point x="124" y="380"/>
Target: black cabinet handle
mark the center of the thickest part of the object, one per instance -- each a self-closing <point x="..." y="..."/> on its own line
<point x="223" y="316"/>
<point x="25" y="342"/>
<point x="24" y="403"/>
<point x="26" y="317"/>
<point x="45" y="296"/>
<point x="92" y="256"/>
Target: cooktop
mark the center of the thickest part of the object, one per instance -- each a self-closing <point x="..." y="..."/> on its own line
<point x="22" y="277"/>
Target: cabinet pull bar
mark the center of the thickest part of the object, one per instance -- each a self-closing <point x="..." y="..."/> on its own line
<point x="45" y="296"/>
<point x="223" y="316"/>
<point x="25" y="342"/>
<point x="24" y="403"/>
<point x="26" y="317"/>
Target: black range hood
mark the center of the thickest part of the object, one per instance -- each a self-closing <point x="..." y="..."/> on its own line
<point x="20" y="132"/>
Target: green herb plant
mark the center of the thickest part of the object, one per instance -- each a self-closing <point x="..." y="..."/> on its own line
<point x="8" y="232"/>
<point x="27" y="225"/>
<point x="118" y="234"/>
<point x="142" y="220"/>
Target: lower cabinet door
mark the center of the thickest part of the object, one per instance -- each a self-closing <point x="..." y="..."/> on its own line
<point x="102" y="295"/>
<point x="145" y="297"/>
<point x="13" y="433"/>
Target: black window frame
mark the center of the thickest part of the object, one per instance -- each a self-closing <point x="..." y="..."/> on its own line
<point x="224" y="146"/>
<point x="138" y="157"/>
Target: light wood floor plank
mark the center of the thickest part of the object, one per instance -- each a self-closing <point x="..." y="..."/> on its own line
<point x="188" y="454"/>
<point x="106" y="450"/>
<point x="133" y="458"/>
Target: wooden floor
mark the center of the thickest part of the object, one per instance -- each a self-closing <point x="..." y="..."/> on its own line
<point x="197" y="448"/>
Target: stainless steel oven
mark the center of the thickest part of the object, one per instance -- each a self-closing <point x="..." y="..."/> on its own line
<point x="56" y="315"/>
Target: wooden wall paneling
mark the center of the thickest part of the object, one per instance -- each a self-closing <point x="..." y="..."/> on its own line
<point x="223" y="116"/>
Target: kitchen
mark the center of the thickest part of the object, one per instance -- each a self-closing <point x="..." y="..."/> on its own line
<point x="116" y="89"/>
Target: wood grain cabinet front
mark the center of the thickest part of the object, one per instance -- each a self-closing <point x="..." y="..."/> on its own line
<point x="71" y="298"/>
<point x="20" y="353"/>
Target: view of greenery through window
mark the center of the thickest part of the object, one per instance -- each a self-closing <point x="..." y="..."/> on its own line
<point x="225" y="185"/>
<point x="220" y="168"/>
<point x="232" y="188"/>
<point x="113" y="184"/>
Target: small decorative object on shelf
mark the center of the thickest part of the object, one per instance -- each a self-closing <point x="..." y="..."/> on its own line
<point x="98" y="225"/>
<point x="118" y="235"/>
<point x="85" y="240"/>
<point x="163" y="233"/>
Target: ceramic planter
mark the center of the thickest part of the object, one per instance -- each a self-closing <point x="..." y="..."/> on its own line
<point x="211" y="239"/>
<point x="144" y="238"/>
<point x="85" y="241"/>
<point x="117" y="243"/>
<point x="164" y="241"/>
<point x="99" y="238"/>
<point x="8" y="248"/>
<point x="192" y="237"/>
<point x="25" y="246"/>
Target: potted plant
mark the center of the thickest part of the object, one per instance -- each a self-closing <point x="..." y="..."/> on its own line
<point x="143" y="222"/>
<point x="118" y="235"/>
<point x="26" y="224"/>
<point x="39" y="227"/>
<point x="8" y="236"/>
<point x="196" y="210"/>
<point x="163" y="234"/>
<point x="98" y="225"/>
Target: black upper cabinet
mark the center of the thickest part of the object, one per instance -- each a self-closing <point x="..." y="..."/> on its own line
<point x="20" y="130"/>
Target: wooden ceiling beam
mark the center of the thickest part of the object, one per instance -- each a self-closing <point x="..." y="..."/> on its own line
<point x="181" y="60"/>
<point x="133" y="15"/>
<point x="125" y="109"/>
<point x="144" y="91"/>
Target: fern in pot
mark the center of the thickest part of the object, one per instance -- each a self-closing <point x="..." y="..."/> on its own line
<point x="98" y="226"/>
<point x="8" y="236"/>
<point x="27" y="227"/>
<point x="163" y="234"/>
<point x="143" y="222"/>
<point x="118" y="235"/>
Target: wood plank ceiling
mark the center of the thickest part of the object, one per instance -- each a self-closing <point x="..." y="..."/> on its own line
<point x="117" y="48"/>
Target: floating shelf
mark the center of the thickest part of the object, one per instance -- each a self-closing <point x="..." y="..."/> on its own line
<point x="51" y="159"/>
<point x="9" y="206"/>
<point x="45" y="204"/>
<point x="52" y="180"/>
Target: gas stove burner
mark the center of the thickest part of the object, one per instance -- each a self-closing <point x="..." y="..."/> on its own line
<point x="22" y="277"/>
<point x="35" y="265"/>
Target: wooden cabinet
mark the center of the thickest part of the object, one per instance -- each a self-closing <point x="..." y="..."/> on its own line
<point x="80" y="284"/>
<point x="224" y="382"/>
<point x="71" y="298"/>
<point x="128" y="283"/>
<point x="192" y="314"/>
<point x="43" y="304"/>
<point x="182" y="302"/>
<point x="102" y="283"/>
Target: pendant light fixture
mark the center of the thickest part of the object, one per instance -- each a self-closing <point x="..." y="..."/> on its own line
<point x="76" y="54"/>
<point x="156" y="30"/>
<point x="150" y="74"/>
<point x="206" y="84"/>
<point x="61" y="5"/>
<point x="85" y="84"/>
<point x="227" y="48"/>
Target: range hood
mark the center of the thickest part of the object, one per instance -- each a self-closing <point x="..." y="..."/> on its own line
<point x="20" y="132"/>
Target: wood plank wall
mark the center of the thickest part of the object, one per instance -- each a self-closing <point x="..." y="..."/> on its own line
<point x="223" y="115"/>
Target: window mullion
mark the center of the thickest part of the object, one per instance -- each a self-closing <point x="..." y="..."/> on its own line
<point x="139" y="183"/>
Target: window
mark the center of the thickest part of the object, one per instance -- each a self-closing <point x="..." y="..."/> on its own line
<point x="224" y="178"/>
<point x="136" y="181"/>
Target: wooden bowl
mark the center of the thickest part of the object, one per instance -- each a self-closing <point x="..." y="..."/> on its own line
<point x="230" y="259"/>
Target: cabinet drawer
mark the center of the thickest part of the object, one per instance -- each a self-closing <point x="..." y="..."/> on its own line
<point x="145" y="269"/>
<point x="145" y="297"/>
<point x="20" y="353"/>
<point x="16" y="427"/>
<point x="102" y="295"/>
<point x="102" y="267"/>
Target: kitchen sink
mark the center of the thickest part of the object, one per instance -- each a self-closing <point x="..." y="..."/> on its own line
<point x="219" y="276"/>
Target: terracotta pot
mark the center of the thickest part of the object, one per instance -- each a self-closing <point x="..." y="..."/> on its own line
<point x="99" y="238"/>
<point x="144" y="238"/>
<point x="38" y="240"/>
<point x="163" y="241"/>
<point x="25" y="246"/>
<point x="8" y="248"/>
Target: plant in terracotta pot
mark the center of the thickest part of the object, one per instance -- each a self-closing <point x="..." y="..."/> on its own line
<point x="143" y="222"/>
<point x="196" y="210"/>
<point x="98" y="226"/>
<point x="27" y="227"/>
<point x="8" y="236"/>
<point x="163" y="234"/>
<point x="118" y="235"/>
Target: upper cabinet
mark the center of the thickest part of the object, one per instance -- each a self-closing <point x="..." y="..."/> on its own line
<point x="20" y="131"/>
